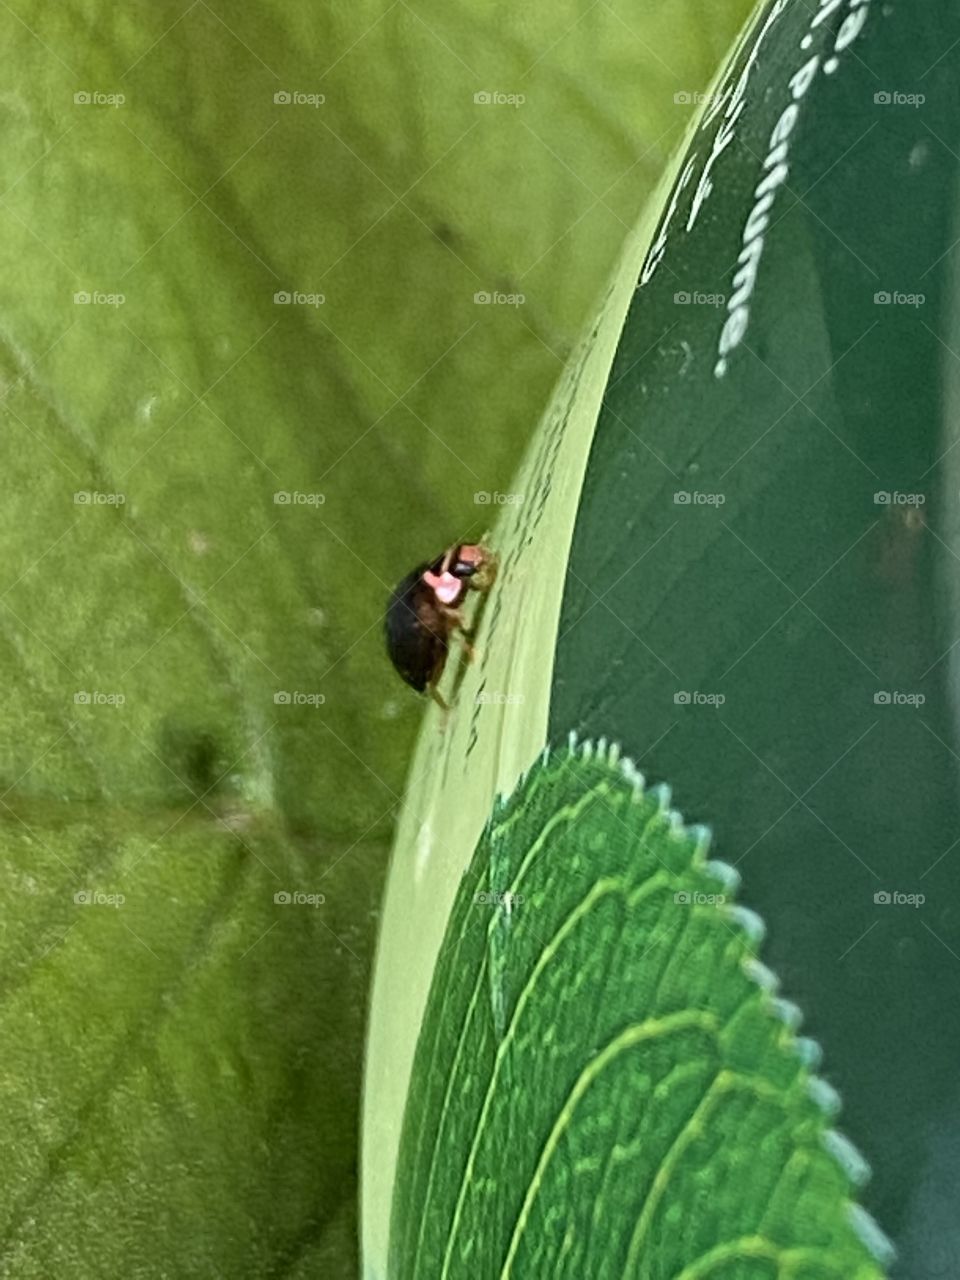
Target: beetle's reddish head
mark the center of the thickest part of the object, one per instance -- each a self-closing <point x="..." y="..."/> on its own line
<point x="450" y="576"/>
<point x="424" y="611"/>
<point x="468" y="558"/>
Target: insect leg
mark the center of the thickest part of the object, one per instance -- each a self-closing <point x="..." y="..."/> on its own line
<point x="437" y="696"/>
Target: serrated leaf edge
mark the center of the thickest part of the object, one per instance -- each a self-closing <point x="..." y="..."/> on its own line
<point x="848" y="1158"/>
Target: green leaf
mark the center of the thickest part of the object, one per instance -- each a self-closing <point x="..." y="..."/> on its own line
<point x="164" y="1023"/>
<point x="181" y="1093"/>
<point x="605" y="1083"/>
<point x="501" y="704"/>
<point x="497" y="723"/>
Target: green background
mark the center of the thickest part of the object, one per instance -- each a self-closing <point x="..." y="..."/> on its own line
<point x="182" y="1082"/>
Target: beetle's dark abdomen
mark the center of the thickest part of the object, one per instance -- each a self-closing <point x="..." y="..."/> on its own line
<point x="414" y="631"/>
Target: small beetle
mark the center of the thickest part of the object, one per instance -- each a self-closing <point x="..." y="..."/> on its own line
<point x="426" y="609"/>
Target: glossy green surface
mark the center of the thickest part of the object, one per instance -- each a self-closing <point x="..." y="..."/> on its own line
<point x="241" y="250"/>
<point x="766" y="555"/>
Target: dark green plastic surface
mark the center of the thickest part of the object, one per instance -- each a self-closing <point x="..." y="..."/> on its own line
<point x="801" y="599"/>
